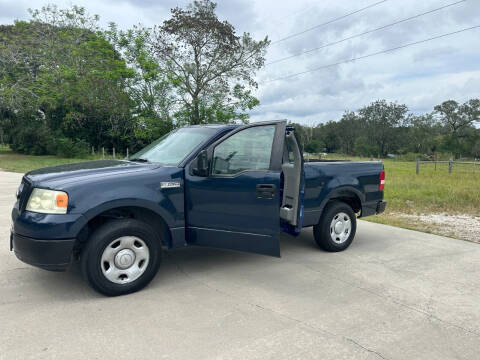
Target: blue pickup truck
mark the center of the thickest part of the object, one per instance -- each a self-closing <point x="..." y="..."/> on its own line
<point x="225" y="186"/>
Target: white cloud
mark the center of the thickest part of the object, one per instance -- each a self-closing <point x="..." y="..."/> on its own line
<point x="419" y="76"/>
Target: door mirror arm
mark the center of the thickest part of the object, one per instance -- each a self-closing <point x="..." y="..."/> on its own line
<point x="200" y="164"/>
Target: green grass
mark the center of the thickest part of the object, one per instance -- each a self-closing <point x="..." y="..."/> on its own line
<point x="432" y="191"/>
<point x="11" y="161"/>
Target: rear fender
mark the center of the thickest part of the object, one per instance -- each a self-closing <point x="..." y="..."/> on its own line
<point x="345" y="191"/>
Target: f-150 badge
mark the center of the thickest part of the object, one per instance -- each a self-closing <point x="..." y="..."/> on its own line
<point x="169" y="184"/>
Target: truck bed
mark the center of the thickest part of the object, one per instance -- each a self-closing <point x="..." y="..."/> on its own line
<point x="324" y="179"/>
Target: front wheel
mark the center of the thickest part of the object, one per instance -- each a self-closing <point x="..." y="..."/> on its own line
<point x="121" y="257"/>
<point x="336" y="228"/>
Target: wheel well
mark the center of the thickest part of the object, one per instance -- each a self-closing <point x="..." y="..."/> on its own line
<point x="351" y="199"/>
<point x="126" y="212"/>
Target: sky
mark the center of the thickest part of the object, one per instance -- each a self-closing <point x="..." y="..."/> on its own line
<point x="420" y="76"/>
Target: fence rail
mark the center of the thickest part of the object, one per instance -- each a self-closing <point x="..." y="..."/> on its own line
<point x="450" y="163"/>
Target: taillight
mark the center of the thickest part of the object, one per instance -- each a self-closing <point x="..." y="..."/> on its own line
<point x="381" y="184"/>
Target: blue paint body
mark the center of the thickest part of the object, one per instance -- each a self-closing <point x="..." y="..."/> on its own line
<point x="218" y="211"/>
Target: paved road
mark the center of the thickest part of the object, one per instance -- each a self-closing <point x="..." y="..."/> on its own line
<point x="395" y="294"/>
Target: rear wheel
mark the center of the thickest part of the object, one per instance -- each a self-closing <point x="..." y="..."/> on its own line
<point x="336" y="228"/>
<point x="121" y="257"/>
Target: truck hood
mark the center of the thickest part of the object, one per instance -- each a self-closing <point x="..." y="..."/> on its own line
<point x="55" y="176"/>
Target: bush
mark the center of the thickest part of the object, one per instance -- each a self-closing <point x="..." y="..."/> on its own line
<point x="314" y="146"/>
<point x="363" y="148"/>
<point x="32" y="140"/>
<point x="69" y="148"/>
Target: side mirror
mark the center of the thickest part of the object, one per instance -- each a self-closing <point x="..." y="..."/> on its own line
<point x="200" y="164"/>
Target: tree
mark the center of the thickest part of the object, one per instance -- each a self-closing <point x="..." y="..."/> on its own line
<point x="211" y="67"/>
<point x="459" y="125"/>
<point x="458" y="118"/>
<point x="382" y="119"/>
<point x="348" y="131"/>
<point x="329" y="136"/>
<point x="314" y="146"/>
<point x="476" y="146"/>
<point x="149" y="88"/>
<point x="363" y="148"/>
<point x="63" y="79"/>
<point x="422" y="131"/>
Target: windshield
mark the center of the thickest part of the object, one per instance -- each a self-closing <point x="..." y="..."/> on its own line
<point x="175" y="146"/>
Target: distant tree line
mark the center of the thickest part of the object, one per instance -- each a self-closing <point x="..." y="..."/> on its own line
<point x="383" y="128"/>
<point x="67" y="85"/>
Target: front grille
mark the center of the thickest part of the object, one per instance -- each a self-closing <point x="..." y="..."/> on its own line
<point x="24" y="194"/>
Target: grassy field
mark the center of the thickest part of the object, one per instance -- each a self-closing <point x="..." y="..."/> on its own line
<point x="432" y="191"/>
<point x="10" y="161"/>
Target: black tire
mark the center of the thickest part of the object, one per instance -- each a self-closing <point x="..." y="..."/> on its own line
<point x="102" y="237"/>
<point x="322" y="231"/>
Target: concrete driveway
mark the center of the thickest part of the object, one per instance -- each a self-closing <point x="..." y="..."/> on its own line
<point x="394" y="294"/>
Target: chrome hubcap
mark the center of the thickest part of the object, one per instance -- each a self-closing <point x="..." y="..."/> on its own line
<point x="125" y="259"/>
<point x="340" y="228"/>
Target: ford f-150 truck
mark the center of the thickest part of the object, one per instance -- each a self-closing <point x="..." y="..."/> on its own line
<point x="225" y="186"/>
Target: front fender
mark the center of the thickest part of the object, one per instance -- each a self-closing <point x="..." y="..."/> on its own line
<point x="142" y="190"/>
<point x="167" y="215"/>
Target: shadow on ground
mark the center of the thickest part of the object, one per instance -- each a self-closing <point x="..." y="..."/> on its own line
<point x="71" y="285"/>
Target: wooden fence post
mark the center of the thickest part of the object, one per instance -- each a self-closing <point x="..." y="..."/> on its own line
<point x="418" y="166"/>
<point x="127" y="152"/>
<point x="103" y="153"/>
<point x="93" y="150"/>
<point x="450" y="164"/>
<point x="113" y="152"/>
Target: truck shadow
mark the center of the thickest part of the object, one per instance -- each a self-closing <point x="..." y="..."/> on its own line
<point x="202" y="261"/>
<point x="198" y="256"/>
<point x="177" y="264"/>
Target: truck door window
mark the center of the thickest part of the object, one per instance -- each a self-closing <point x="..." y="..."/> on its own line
<point x="289" y="155"/>
<point x="249" y="149"/>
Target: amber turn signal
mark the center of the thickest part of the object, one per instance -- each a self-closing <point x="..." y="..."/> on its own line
<point x="62" y="200"/>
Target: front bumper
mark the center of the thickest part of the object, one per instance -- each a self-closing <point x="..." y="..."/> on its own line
<point x="54" y="255"/>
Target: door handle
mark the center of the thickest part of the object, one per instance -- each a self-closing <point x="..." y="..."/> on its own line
<point x="265" y="191"/>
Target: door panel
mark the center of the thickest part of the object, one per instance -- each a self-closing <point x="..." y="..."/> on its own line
<point x="237" y="207"/>
<point x="225" y="212"/>
<point x="232" y="204"/>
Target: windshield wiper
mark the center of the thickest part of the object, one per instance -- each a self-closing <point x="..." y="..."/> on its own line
<point x="139" y="160"/>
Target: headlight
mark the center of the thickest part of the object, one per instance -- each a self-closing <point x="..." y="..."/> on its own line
<point x="48" y="201"/>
